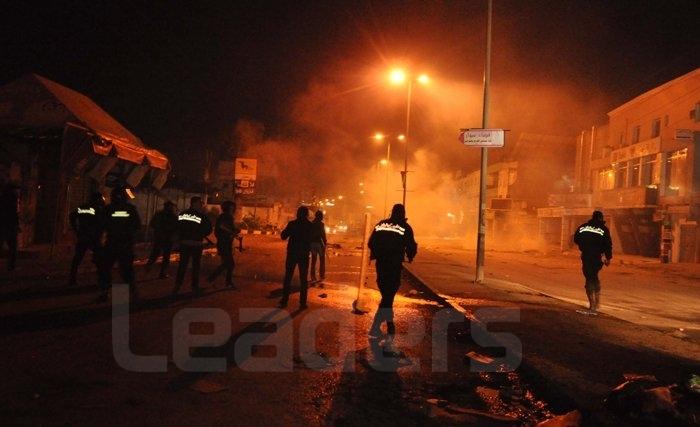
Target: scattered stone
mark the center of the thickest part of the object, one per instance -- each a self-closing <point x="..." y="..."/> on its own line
<point x="323" y="296"/>
<point x="693" y="383"/>
<point x="680" y="334"/>
<point x="482" y="358"/>
<point x="639" y="377"/>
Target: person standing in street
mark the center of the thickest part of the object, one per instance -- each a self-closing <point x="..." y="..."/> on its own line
<point x="298" y="247"/>
<point x="164" y="224"/>
<point x="121" y="222"/>
<point x="193" y="226"/>
<point x="593" y="239"/>
<point x="390" y="243"/>
<point x="9" y="220"/>
<point x="87" y="221"/>
<point x="318" y="246"/>
<point x="225" y="231"/>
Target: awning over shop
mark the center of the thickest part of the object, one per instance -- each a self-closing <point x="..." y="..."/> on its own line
<point x="36" y="103"/>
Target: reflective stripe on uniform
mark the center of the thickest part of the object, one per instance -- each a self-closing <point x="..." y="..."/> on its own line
<point x="394" y="228"/>
<point x="591" y="229"/>
<point x="189" y="217"/>
<point x="89" y="211"/>
<point x="120" y="214"/>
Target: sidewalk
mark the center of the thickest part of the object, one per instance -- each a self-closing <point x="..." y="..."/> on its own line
<point x="59" y="350"/>
<point x="581" y="357"/>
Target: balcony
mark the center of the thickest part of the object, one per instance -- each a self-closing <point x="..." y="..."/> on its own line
<point x="633" y="197"/>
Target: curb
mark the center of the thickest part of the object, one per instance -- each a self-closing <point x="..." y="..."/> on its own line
<point x="557" y="395"/>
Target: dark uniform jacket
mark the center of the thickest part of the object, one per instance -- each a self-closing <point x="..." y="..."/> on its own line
<point x="192" y="227"/>
<point x="593" y="239"/>
<point x="121" y="221"/>
<point x="87" y="221"/>
<point x="164" y="225"/>
<point x="225" y="230"/>
<point x="9" y="219"/>
<point x="299" y="234"/>
<point x="318" y="234"/>
<point x="391" y="241"/>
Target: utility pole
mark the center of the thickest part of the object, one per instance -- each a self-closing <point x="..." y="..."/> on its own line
<point x="404" y="173"/>
<point x="481" y="236"/>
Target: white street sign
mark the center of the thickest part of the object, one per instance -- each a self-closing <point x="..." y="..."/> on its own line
<point x="684" y="134"/>
<point x="482" y="137"/>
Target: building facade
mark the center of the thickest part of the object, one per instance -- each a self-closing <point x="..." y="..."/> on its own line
<point x="642" y="170"/>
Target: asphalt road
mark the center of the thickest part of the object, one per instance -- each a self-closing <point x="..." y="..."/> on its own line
<point x="635" y="289"/>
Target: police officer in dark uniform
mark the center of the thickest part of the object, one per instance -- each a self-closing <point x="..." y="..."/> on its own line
<point x="192" y="226"/>
<point x="391" y="241"/>
<point x="225" y="231"/>
<point x="164" y="224"/>
<point x="9" y="220"/>
<point x="299" y="232"/>
<point x="593" y="239"/>
<point x="121" y="221"/>
<point x="87" y="223"/>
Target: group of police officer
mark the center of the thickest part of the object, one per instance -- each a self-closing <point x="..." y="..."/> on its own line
<point x="109" y="232"/>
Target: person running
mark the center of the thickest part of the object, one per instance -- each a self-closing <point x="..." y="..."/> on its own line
<point x="225" y="231"/>
<point x="298" y="247"/>
<point x="318" y="246"/>
<point x="164" y="224"/>
<point x="390" y="243"/>
<point x="593" y="239"/>
<point x="121" y="221"/>
<point x="193" y="225"/>
<point x="87" y="221"/>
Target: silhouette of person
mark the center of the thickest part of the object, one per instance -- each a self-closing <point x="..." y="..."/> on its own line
<point x="318" y="246"/>
<point x="164" y="224"/>
<point x="9" y="220"/>
<point x="593" y="239"/>
<point x="87" y="221"/>
<point x="225" y="231"/>
<point x="193" y="225"/>
<point x="298" y="232"/>
<point x="122" y="222"/>
<point x="390" y="243"/>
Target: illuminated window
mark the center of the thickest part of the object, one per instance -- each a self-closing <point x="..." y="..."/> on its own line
<point x="635" y="169"/>
<point x="606" y="179"/>
<point x="650" y="170"/>
<point x="677" y="171"/>
<point x="621" y="170"/>
<point x="655" y="128"/>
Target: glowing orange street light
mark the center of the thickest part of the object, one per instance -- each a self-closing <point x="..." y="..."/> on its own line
<point x="378" y="136"/>
<point x="383" y="162"/>
<point x="398" y="76"/>
<point x="401" y="137"/>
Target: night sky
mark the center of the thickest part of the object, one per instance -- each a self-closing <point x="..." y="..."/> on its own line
<point x="181" y="75"/>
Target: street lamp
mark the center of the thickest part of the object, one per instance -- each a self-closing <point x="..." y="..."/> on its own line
<point x="398" y="76"/>
<point x="385" y="162"/>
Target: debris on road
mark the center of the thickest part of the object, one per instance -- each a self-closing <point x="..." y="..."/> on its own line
<point x="323" y="296"/>
<point x="482" y="358"/>
<point x="693" y="383"/>
<point x="440" y="408"/>
<point x="570" y="419"/>
<point x="643" y="398"/>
